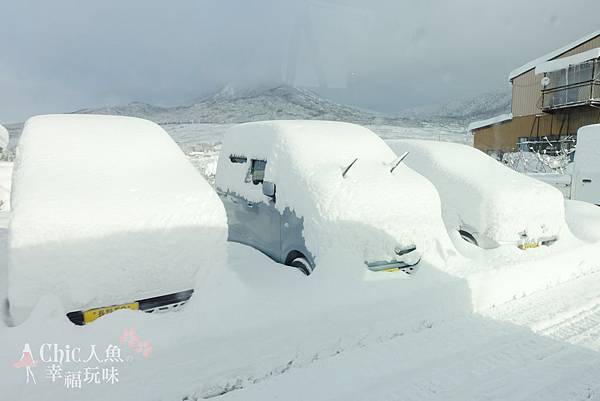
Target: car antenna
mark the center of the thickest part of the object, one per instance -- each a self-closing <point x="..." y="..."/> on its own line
<point x="400" y="159"/>
<point x="348" y="168"/>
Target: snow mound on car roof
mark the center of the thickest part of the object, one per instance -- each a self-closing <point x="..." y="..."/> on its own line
<point x="477" y="190"/>
<point x="367" y="214"/>
<point x="107" y="210"/>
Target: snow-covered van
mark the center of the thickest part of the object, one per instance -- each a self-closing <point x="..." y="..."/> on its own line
<point x="486" y="202"/>
<point x="586" y="169"/>
<point x="583" y="181"/>
<point x="107" y="214"/>
<point x="302" y="190"/>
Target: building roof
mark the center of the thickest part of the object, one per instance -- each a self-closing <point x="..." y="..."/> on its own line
<point x="565" y="62"/>
<point x="552" y="55"/>
<point x="490" y="121"/>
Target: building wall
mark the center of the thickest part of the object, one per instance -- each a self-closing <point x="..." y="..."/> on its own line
<point x="504" y="136"/>
<point x="527" y="94"/>
<point x="589" y="45"/>
<point x="527" y="87"/>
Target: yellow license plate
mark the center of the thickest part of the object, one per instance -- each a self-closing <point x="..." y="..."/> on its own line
<point x="529" y="245"/>
<point x="93" y="314"/>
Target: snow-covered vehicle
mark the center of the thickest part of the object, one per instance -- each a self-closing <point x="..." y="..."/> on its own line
<point x="300" y="190"/>
<point x="5" y="174"/>
<point x="582" y="181"/>
<point x="107" y="214"/>
<point x="486" y="202"/>
<point x="4" y="137"/>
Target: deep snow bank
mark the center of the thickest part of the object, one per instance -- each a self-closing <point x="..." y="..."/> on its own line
<point x="477" y="190"/>
<point x="363" y="216"/>
<point x="258" y="321"/>
<point x="106" y="210"/>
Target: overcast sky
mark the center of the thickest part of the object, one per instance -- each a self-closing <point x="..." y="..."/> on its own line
<point x="386" y="55"/>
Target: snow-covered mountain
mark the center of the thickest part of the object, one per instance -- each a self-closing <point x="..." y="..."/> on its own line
<point x="463" y="111"/>
<point x="234" y="105"/>
<point x="136" y="109"/>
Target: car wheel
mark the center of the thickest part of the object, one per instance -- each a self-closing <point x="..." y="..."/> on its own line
<point x="468" y="237"/>
<point x="302" y="265"/>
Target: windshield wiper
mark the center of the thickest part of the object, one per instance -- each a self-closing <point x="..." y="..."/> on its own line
<point x="348" y="168"/>
<point x="400" y="159"/>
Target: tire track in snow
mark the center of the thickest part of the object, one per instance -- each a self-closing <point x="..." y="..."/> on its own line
<point x="527" y="349"/>
<point x="471" y="358"/>
<point x="568" y="312"/>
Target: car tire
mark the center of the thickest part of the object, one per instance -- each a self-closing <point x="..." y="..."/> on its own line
<point x="302" y="265"/>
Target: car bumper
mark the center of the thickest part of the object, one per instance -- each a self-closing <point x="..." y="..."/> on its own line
<point x="529" y="244"/>
<point x="406" y="262"/>
<point x="391" y="266"/>
<point x="162" y="303"/>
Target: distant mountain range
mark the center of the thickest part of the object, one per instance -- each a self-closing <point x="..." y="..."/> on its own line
<point x="481" y="107"/>
<point x="235" y="105"/>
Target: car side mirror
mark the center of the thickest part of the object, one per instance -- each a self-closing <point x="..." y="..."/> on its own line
<point x="268" y="189"/>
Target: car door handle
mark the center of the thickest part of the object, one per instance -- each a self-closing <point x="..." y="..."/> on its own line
<point x="250" y="204"/>
<point x="587" y="180"/>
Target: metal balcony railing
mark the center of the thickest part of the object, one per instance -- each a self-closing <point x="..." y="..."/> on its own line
<point x="571" y="95"/>
<point x="574" y="86"/>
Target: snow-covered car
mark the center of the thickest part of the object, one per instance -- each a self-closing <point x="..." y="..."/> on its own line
<point x="300" y="190"/>
<point x="107" y="214"/>
<point x="5" y="174"/>
<point x="4" y="137"/>
<point x="488" y="203"/>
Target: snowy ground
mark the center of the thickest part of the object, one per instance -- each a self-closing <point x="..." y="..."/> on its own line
<point x="283" y="336"/>
<point x="485" y="325"/>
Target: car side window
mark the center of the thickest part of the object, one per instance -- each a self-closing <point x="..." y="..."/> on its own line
<point x="237" y="159"/>
<point x="257" y="171"/>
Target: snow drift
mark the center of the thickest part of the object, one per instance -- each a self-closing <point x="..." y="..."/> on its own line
<point x="107" y="210"/>
<point x="367" y="214"/>
<point x="478" y="191"/>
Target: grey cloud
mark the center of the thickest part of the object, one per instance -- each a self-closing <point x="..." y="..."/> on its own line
<point x="383" y="54"/>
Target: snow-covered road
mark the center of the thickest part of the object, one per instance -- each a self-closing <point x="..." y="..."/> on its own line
<point x="426" y="344"/>
<point x="569" y="313"/>
<point x="542" y="347"/>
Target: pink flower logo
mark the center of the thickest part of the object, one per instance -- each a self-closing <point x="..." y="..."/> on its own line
<point x="129" y="337"/>
<point x="134" y="342"/>
<point x="144" y="347"/>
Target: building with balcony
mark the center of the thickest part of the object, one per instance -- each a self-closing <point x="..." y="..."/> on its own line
<point x="552" y="97"/>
